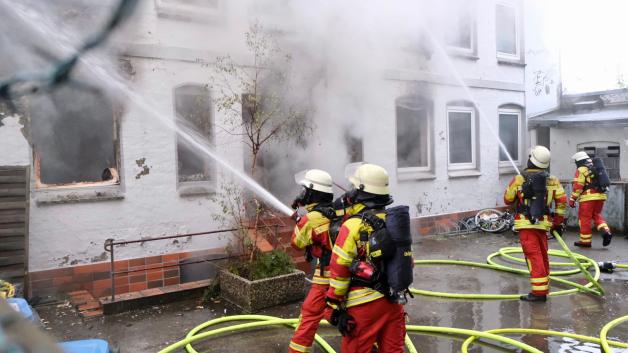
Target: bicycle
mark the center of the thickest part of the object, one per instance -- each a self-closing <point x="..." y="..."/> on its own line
<point x="494" y="221"/>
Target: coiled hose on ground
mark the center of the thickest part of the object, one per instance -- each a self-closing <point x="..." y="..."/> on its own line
<point x="582" y="262"/>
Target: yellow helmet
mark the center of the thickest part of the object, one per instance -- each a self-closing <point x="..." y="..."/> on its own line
<point x="371" y="178"/>
<point x="540" y="156"/>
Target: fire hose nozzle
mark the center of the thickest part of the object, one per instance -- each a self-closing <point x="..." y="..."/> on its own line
<point x="606" y="266"/>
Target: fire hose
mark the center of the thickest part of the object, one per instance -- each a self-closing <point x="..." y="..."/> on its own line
<point x="580" y="261"/>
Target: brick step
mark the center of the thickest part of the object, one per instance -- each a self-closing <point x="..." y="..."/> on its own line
<point x="147" y="297"/>
<point x="87" y="306"/>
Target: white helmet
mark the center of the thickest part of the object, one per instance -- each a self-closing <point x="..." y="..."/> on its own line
<point x="580" y="156"/>
<point x="370" y="178"/>
<point x="315" y="179"/>
<point x="540" y="156"/>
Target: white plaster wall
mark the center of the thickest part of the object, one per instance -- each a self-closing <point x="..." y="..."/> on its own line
<point x="14" y="147"/>
<point x="443" y="194"/>
<point x="564" y="143"/>
<point x="68" y="234"/>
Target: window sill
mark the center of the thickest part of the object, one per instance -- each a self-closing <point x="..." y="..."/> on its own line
<point x="511" y="61"/>
<point x="406" y="174"/>
<point x="452" y="51"/>
<point x="463" y="173"/>
<point x="196" y="188"/>
<point x="188" y="12"/>
<point x="78" y="195"/>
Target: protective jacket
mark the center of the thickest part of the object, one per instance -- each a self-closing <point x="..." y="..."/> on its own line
<point x="350" y="245"/>
<point x="582" y="186"/>
<point x="312" y="230"/>
<point x="555" y="197"/>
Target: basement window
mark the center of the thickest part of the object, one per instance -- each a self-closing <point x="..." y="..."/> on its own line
<point x="74" y="136"/>
<point x="193" y="110"/>
<point x="609" y="152"/>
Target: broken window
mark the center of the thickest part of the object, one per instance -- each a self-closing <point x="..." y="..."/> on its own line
<point x="507" y="31"/>
<point x="509" y="133"/>
<point x="413" y="132"/>
<point x="193" y="109"/>
<point x="461" y="136"/>
<point x="460" y="26"/>
<point x="74" y="136"/>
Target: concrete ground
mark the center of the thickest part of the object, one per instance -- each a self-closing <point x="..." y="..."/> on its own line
<point x="153" y="328"/>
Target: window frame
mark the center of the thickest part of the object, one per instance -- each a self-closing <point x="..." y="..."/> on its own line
<point x="462" y="51"/>
<point x="508" y="56"/>
<point x="519" y="113"/>
<point x="474" y="157"/>
<point x="206" y="186"/>
<point x="116" y="181"/>
<point x="429" y="112"/>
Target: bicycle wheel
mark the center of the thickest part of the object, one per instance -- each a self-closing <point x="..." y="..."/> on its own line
<point x="491" y="221"/>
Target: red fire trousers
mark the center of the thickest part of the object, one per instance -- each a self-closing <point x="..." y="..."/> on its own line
<point x="591" y="211"/>
<point x="311" y="314"/>
<point x="534" y="244"/>
<point x="377" y="321"/>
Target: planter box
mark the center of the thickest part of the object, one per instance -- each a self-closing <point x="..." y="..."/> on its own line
<point x="252" y="296"/>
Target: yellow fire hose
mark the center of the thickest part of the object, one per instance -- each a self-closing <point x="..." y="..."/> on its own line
<point x="196" y="335"/>
<point x="580" y="261"/>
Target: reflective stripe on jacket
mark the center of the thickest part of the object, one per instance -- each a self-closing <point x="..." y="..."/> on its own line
<point x="348" y="247"/>
<point x="312" y="230"/>
<point x="581" y="180"/>
<point x="555" y="197"/>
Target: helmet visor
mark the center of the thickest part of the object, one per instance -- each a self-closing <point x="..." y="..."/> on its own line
<point x="299" y="177"/>
<point x="351" y="168"/>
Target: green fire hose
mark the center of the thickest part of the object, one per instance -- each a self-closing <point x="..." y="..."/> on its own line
<point x="582" y="262"/>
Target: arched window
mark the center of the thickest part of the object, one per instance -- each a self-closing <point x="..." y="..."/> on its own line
<point x="192" y="105"/>
<point x="414" y="137"/>
<point x="462" y="135"/>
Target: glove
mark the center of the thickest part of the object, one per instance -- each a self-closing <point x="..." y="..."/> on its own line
<point x="341" y="319"/>
<point x="558" y="228"/>
<point x="295" y="216"/>
<point x="572" y="203"/>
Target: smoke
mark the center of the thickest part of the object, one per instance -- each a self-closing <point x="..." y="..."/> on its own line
<point x="340" y="51"/>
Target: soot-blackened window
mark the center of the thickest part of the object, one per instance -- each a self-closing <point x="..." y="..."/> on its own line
<point x="193" y="109"/>
<point x="74" y="136"/>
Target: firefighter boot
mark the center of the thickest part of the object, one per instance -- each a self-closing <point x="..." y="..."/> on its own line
<point x="582" y="245"/>
<point x="606" y="238"/>
<point x="533" y="298"/>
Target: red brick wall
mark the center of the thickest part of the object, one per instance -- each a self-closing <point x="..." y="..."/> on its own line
<point x="143" y="273"/>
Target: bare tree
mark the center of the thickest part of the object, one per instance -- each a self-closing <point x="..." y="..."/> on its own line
<point x="253" y="98"/>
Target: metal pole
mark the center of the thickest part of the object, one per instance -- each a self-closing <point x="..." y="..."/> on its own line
<point x="109" y="248"/>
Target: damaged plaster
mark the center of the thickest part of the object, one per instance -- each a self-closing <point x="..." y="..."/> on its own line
<point x="145" y="170"/>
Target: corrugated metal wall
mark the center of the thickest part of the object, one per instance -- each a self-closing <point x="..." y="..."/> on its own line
<point x="14" y="190"/>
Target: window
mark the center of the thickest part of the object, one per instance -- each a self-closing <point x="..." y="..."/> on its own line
<point x="459" y="27"/>
<point x="193" y="110"/>
<point x="461" y="136"/>
<point x="507" y="32"/>
<point x="413" y="133"/>
<point x="74" y="137"/>
<point x="608" y="152"/>
<point x="510" y="134"/>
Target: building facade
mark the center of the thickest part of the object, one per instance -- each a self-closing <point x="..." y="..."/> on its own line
<point x="431" y="108"/>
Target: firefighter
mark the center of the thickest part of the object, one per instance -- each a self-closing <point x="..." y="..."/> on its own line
<point x="591" y="200"/>
<point x="533" y="193"/>
<point x="363" y="315"/>
<point x="312" y="233"/>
